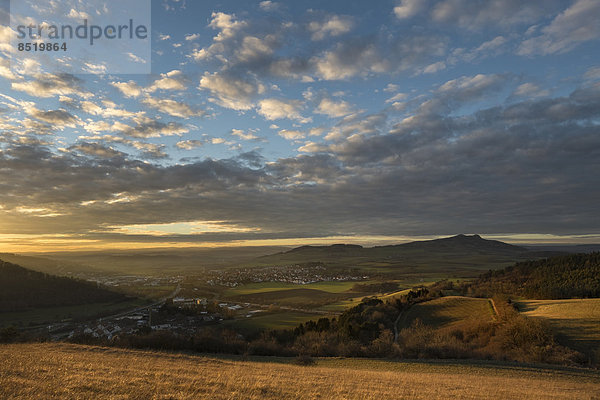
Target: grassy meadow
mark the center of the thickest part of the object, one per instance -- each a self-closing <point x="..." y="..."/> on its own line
<point x="65" y="371"/>
<point x="447" y="311"/>
<point x="577" y="321"/>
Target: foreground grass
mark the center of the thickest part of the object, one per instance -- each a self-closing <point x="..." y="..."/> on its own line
<point x="43" y="371"/>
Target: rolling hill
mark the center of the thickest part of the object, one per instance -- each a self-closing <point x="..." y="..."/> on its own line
<point x="22" y="289"/>
<point x="448" y="311"/>
<point x="575" y="321"/>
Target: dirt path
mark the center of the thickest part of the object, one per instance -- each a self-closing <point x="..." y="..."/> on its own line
<point x="403" y="312"/>
<point x="496" y="314"/>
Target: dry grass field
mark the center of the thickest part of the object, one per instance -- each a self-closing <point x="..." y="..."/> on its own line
<point x="65" y="371"/>
<point x="448" y="311"/>
<point x="577" y="320"/>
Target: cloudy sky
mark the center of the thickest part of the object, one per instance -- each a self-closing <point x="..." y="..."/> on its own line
<point x="284" y="122"/>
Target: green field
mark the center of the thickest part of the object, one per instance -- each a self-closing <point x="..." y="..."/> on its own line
<point x="577" y="321"/>
<point x="448" y="311"/>
<point x="298" y="297"/>
<point x="326" y="286"/>
<point x="332" y="296"/>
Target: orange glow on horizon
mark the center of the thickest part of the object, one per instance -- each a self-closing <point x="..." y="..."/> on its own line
<point x="56" y="243"/>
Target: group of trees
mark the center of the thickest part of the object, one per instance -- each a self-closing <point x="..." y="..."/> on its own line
<point x="23" y="289"/>
<point x="562" y="277"/>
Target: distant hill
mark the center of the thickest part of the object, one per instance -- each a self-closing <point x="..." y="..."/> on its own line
<point x="561" y="277"/>
<point x="461" y="253"/>
<point x="22" y="289"/>
<point x="146" y="261"/>
<point x="42" y="264"/>
<point x="460" y="244"/>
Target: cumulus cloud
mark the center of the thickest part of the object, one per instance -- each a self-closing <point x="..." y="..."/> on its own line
<point x="189" y="144"/>
<point x="332" y="26"/>
<point x="479" y="15"/>
<point x="96" y="150"/>
<point x="50" y="85"/>
<point x="56" y="118"/>
<point x="268" y="5"/>
<point x="254" y="48"/>
<point x="226" y="24"/>
<point x="249" y="135"/>
<point x="592" y="73"/>
<point x="507" y="167"/>
<point x="108" y="109"/>
<point x="230" y="91"/>
<point x="529" y="89"/>
<point x="173" y="80"/>
<point x="291" y="134"/>
<point x="374" y="56"/>
<point x="408" y="8"/>
<point x="273" y="109"/>
<point x="128" y="89"/>
<point x="455" y="93"/>
<point x="496" y="144"/>
<point x="148" y="127"/>
<point x="575" y="25"/>
<point x="173" y="107"/>
<point x="333" y="108"/>
<point x="6" y="72"/>
<point x="348" y="60"/>
<point x="192" y="36"/>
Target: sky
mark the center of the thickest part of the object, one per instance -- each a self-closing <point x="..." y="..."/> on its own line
<point x="292" y="122"/>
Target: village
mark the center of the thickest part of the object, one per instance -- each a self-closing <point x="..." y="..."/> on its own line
<point x="179" y="315"/>
<point x="296" y="274"/>
<point x="183" y="307"/>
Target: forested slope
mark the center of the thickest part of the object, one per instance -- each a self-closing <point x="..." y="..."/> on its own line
<point x="561" y="277"/>
<point x="23" y="289"/>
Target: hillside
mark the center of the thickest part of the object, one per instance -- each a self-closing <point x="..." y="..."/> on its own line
<point x="22" y="289"/>
<point x="561" y="277"/>
<point x="575" y="321"/>
<point x="448" y="311"/>
<point x="42" y="371"/>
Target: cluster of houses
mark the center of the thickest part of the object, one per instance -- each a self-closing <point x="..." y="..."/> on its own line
<point x="295" y="274"/>
<point x="152" y="318"/>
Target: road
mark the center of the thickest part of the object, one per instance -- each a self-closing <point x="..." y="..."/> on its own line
<point x="145" y="307"/>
